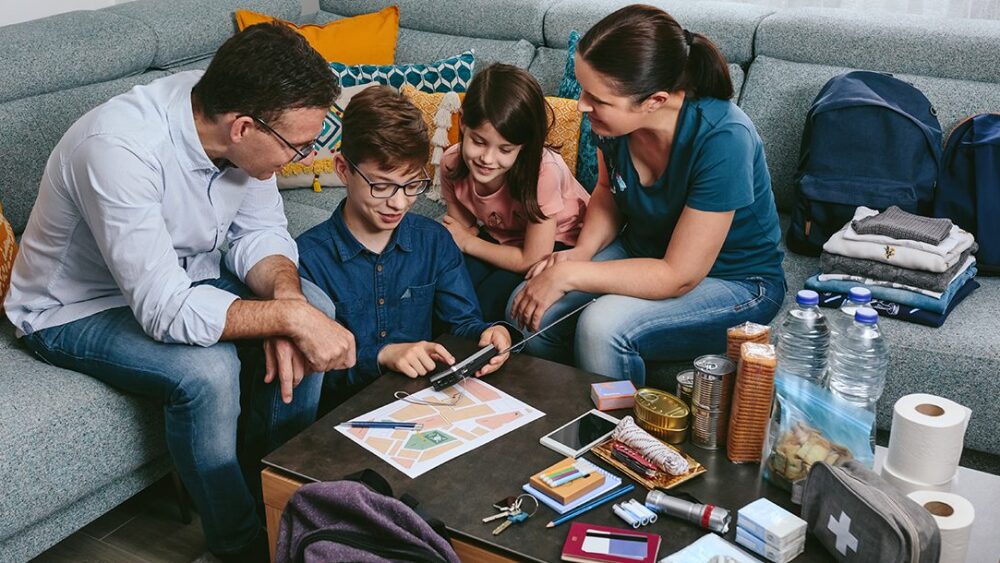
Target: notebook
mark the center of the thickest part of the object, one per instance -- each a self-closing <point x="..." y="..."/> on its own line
<point x="610" y="482"/>
<point x="586" y="543"/>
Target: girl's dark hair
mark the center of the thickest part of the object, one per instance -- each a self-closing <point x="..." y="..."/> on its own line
<point x="644" y="50"/>
<point x="263" y="71"/>
<point x="510" y="99"/>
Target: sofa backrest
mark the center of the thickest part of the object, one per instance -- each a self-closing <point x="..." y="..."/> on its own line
<point x="953" y="62"/>
<point x="55" y="69"/>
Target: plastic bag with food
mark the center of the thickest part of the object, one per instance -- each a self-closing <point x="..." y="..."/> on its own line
<point x="811" y="424"/>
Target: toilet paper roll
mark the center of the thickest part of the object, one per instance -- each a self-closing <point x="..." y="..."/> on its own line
<point x="907" y="486"/>
<point x="954" y="516"/>
<point x="925" y="441"/>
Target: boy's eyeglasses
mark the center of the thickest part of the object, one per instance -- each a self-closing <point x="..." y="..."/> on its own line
<point x="385" y="190"/>
<point x="301" y="153"/>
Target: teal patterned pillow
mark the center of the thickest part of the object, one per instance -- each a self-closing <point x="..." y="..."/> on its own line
<point x="586" y="161"/>
<point x="447" y="75"/>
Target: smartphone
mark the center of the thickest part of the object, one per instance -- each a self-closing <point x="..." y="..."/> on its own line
<point x="577" y="436"/>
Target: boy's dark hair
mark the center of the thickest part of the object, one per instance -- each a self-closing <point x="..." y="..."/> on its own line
<point x="383" y="126"/>
<point x="644" y="50"/>
<point x="511" y="100"/>
<point x="263" y="71"/>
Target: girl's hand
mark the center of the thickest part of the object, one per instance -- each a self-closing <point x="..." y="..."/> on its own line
<point x="414" y="359"/>
<point x="499" y="337"/>
<point x="541" y="291"/>
<point x="551" y="260"/>
<point x="459" y="232"/>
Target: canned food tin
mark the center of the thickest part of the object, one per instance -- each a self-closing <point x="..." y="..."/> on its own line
<point x="713" y="382"/>
<point x="669" y="435"/>
<point x="708" y="428"/>
<point x="660" y="409"/>
<point x="685" y="384"/>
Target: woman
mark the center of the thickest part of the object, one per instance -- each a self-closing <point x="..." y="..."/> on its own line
<point x="680" y="240"/>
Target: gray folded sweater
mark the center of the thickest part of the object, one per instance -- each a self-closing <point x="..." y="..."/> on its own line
<point x="836" y="264"/>
<point x="902" y="225"/>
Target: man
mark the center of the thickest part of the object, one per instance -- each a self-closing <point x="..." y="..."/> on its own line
<point x="121" y="276"/>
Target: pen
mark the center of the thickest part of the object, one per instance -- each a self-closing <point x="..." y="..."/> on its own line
<point x="382" y="424"/>
<point x="592" y="504"/>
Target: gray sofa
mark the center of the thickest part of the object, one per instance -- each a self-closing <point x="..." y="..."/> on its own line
<point x="72" y="448"/>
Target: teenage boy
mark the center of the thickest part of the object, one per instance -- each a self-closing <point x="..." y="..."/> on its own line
<point x="390" y="273"/>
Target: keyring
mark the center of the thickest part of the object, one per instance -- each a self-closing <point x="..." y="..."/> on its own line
<point x="519" y="497"/>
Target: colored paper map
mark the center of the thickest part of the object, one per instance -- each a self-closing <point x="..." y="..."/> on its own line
<point x="483" y="413"/>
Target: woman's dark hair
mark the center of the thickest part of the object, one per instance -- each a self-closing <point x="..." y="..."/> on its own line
<point x="644" y="50"/>
<point x="263" y="71"/>
<point x="510" y="99"/>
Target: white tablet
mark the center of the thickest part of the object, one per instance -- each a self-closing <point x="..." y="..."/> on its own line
<point x="580" y="434"/>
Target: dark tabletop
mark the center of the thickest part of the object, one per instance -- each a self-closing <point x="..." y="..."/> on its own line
<point x="461" y="491"/>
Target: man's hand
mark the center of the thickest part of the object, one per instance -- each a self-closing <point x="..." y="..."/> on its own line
<point x="413" y="359"/>
<point x="284" y="360"/>
<point x="499" y="337"/>
<point x="539" y="294"/>
<point x="325" y="344"/>
<point x="460" y="232"/>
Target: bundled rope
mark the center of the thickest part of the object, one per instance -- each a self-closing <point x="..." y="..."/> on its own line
<point x="667" y="459"/>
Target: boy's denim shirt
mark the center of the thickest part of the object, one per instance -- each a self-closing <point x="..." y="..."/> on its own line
<point x="394" y="296"/>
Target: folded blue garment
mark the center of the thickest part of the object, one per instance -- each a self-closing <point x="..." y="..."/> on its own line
<point x="903" y="312"/>
<point x="894" y="295"/>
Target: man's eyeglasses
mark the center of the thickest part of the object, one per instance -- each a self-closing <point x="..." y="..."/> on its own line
<point x="301" y="153"/>
<point x="385" y="190"/>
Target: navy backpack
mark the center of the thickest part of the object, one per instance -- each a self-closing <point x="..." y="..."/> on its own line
<point x="969" y="188"/>
<point x="870" y="139"/>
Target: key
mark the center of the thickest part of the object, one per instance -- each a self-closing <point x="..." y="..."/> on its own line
<point x="502" y="514"/>
<point x="511" y="520"/>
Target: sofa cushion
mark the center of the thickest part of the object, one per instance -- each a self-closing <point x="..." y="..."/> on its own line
<point x="185" y="30"/>
<point x="777" y="96"/>
<point x="511" y="20"/>
<point x="66" y="435"/>
<point x="898" y="43"/>
<point x="305" y="208"/>
<point x="731" y="26"/>
<point x="365" y="39"/>
<point x="69" y="50"/>
<point x="30" y="129"/>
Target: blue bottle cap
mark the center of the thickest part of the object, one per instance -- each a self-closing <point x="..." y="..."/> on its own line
<point x="806" y="297"/>
<point x="866" y="315"/>
<point x="860" y="295"/>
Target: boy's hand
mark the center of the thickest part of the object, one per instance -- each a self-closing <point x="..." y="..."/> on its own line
<point x="460" y="232"/>
<point x="413" y="359"/>
<point x="499" y="337"/>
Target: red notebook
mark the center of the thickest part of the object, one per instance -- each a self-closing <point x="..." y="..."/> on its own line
<point x="589" y="542"/>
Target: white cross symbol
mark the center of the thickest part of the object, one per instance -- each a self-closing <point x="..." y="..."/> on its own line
<point x="842" y="530"/>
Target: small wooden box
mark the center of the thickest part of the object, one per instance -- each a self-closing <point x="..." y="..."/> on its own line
<point x="571" y="491"/>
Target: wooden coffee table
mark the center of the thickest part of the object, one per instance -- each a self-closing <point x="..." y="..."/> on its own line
<point x="461" y="491"/>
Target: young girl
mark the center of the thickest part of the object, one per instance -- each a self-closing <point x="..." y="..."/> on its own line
<point x="502" y="176"/>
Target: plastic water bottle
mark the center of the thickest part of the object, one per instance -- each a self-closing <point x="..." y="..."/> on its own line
<point x="859" y="361"/>
<point x="803" y="339"/>
<point x="843" y="319"/>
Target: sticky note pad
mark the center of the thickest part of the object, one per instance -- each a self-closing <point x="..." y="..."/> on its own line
<point x="613" y="395"/>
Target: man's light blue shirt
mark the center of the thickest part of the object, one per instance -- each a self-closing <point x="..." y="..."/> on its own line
<point x="131" y="211"/>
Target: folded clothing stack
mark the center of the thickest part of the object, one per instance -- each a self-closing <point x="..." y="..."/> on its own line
<point x="917" y="268"/>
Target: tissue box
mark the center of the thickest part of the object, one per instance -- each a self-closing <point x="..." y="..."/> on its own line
<point x="774" y="525"/>
<point x="613" y="395"/>
<point x="767" y="551"/>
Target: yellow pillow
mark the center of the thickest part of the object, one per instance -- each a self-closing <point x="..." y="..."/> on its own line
<point x="368" y="39"/>
<point x="428" y="105"/>
<point x="8" y="250"/>
<point x="565" y="133"/>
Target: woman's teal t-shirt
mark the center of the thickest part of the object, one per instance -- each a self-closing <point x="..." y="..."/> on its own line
<point x="716" y="164"/>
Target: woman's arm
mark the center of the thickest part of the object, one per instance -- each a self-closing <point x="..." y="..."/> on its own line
<point x="602" y="222"/>
<point x="694" y="246"/>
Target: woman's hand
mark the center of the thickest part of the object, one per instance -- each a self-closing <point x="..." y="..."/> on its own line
<point x="459" y="232"/>
<point x="552" y="260"/>
<point x="541" y="291"/>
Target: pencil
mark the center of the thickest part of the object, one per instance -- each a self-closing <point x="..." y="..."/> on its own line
<point x="592" y="504"/>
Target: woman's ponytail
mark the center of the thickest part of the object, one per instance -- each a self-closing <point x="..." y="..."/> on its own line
<point x="707" y="73"/>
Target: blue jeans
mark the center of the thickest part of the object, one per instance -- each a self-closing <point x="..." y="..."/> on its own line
<point x="200" y="390"/>
<point x="617" y="334"/>
<point x="494" y="285"/>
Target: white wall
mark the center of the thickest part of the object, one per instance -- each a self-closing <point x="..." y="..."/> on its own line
<point x="15" y="11"/>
